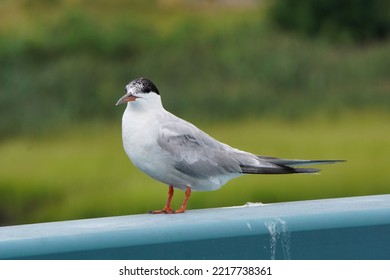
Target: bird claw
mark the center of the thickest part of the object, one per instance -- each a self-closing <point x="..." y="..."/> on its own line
<point x="178" y="211"/>
<point x="167" y="209"/>
<point x="163" y="211"/>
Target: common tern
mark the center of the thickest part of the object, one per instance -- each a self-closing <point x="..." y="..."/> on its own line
<point x="177" y="153"/>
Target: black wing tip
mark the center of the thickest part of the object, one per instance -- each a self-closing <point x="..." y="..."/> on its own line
<point x="282" y="166"/>
<point x="298" y="162"/>
<point x="306" y="170"/>
<point x="277" y="170"/>
<point x="330" y="161"/>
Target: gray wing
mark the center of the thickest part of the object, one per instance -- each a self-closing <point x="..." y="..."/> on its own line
<point x="194" y="152"/>
<point x="197" y="154"/>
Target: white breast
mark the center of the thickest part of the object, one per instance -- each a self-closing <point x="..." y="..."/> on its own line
<point x="139" y="133"/>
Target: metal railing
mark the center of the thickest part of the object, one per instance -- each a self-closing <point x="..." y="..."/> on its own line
<point x="342" y="228"/>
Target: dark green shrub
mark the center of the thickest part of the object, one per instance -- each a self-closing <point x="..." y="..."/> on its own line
<point x="348" y="20"/>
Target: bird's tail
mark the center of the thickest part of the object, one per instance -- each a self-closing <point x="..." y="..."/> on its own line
<point x="285" y="166"/>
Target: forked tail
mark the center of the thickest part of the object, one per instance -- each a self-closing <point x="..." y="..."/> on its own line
<point x="285" y="166"/>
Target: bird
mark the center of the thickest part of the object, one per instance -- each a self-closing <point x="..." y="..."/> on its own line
<point x="177" y="153"/>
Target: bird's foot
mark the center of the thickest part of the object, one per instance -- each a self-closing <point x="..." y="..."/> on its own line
<point x="162" y="211"/>
<point x="180" y="210"/>
<point x="167" y="211"/>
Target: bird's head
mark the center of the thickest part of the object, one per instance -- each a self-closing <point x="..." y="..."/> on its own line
<point x="140" y="88"/>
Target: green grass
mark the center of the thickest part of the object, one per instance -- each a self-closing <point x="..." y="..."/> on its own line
<point x="83" y="172"/>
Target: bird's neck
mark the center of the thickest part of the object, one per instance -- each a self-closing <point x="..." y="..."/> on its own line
<point x="146" y="106"/>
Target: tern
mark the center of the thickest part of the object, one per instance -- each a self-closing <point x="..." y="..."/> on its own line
<point x="177" y="153"/>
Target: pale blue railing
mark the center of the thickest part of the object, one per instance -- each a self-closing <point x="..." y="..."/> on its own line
<point x="343" y="228"/>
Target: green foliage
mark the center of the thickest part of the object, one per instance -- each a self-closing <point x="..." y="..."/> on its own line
<point x="348" y="20"/>
<point x="71" y="64"/>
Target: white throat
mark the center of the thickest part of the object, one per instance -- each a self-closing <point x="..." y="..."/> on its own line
<point x="150" y="103"/>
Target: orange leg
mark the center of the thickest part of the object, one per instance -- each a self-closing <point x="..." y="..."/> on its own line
<point x="167" y="209"/>
<point x="182" y="209"/>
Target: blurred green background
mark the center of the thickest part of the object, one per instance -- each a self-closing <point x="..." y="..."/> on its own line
<point x="293" y="79"/>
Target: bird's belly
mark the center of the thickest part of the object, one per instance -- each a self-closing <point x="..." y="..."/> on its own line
<point x="147" y="155"/>
<point x="142" y="154"/>
<point x="156" y="163"/>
